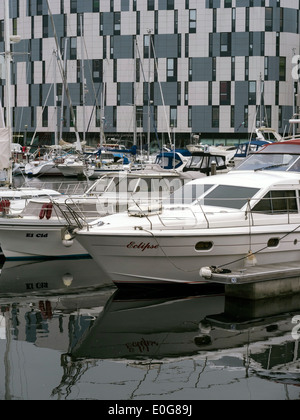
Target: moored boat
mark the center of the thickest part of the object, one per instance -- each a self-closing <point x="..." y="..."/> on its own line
<point x="228" y="221"/>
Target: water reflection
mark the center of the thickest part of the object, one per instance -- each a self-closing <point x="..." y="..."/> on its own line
<point x="93" y="341"/>
<point x="50" y="276"/>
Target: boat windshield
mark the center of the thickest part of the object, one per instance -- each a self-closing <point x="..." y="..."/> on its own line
<point x="270" y="162"/>
<point x="229" y="196"/>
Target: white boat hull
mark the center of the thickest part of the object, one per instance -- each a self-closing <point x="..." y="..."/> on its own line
<point x="48" y="168"/>
<point x="21" y="241"/>
<point x="156" y="258"/>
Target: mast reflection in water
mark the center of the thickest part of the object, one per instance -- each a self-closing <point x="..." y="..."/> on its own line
<point x="67" y="333"/>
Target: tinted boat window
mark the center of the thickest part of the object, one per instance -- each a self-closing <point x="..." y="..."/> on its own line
<point x="277" y="202"/>
<point x="229" y="196"/>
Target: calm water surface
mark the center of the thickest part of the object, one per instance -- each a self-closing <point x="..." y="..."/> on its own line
<point x="68" y="334"/>
<point x="64" y="335"/>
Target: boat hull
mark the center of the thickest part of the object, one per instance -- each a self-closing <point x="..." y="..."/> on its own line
<point x="144" y="259"/>
<point x="29" y="241"/>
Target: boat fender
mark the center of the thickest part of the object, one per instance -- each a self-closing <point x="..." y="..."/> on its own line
<point x="46" y="210"/>
<point x="4" y="206"/>
<point x="49" y="211"/>
<point x="205" y="272"/>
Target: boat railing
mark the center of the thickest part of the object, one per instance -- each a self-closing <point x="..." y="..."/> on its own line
<point x="63" y="187"/>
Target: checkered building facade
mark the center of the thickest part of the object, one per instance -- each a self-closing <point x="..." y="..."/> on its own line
<point x="215" y="67"/>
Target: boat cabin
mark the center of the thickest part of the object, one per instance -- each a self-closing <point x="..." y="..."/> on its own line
<point x="280" y="156"/>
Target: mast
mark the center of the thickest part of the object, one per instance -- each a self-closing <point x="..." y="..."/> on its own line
<point x="82" y="77"/>
<point x="8" y="59"/>
<point x="63" y="76"/>
<point x="149" y="94"/>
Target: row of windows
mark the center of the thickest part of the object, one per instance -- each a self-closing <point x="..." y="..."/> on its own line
<point x="140" y="116"/>
<point x="116" y="29"/>
<point x="151" y="5"/>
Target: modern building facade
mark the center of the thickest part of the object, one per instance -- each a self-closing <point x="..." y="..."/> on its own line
<point x="149" y="68"/>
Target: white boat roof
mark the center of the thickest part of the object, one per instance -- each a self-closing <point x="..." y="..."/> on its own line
<point x="258" y="179"/>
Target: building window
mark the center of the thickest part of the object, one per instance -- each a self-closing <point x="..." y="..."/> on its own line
<point x="192" y="21"/>
<point x="268" y="110"/>
<point x="227" y="3"/>
<point x="233" y="20"/>
<point x="178" y="93"/>
<point x="186" y="93"/>
<point x="173" y="116"/>
<point x="97" y="71"/>
<point x="172" y="69"/>
<point x="282" y="67"/>
<point x="225" y="93"/>
<point x="146" y="46"/>
<point x="280" y="118"/>
<point x="45" y="26"/>
<point x="215" y="117"/>
<point x="269" y="19"/>
<point x="101" y="24"/>
<point x="156" y="22"/>
<point x="80" y="22"/>
<point x="247" y="19"/>
<point x="104" y="47"/>
<point x="225" y="44"/>
<point x="39" y="7"/>
<point x="190" y="122"/>
<point x="250" y="44"/>
<point x="115" y="116"/>
<point x="111" y="51"/>
<point x="96" y="6"/>
<point x="175" y="22"/>
<point x="246" y="113"/>
<point x="232" y="119"/>
<point x="45" y="117"/>
<point x="115" y="71"/>
<point x="186" y="45"/>
<point x="246" y="68"/>
<point x="73" y="48"/>
<point x="139" y="116"/>
<point x="214" y="20"/>
<point x="138" y="23"/>
<point x="277" y="93"/>
<point x="252" y="93"/>
<point x="262" y="44"/>
<point x="73" y="6"/>
<point x="117" y="23"/>
<point x="209" y="93"/>
<point x="190" y="69"/>
<point x="266" y="68"/>
<point x="170" y="4"/>
<point x="150" y="4"/>
<point x="277" y="44"/>
<point x="232" y="68"/>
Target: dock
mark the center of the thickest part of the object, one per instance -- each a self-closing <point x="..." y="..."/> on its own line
<point x="257" y="282"/>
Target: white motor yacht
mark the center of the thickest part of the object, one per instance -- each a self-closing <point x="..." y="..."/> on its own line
<point x="227" y="221"/>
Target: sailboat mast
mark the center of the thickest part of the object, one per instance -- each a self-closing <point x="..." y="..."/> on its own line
<point x="8" y="59"/>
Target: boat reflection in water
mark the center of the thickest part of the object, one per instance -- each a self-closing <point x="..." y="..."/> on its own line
<point x="52" y="276"/>
<point x="113" y="344"/>
<point x="205" y="326"/>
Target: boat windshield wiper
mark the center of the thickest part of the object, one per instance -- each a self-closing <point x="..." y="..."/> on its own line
<point x="270" y="167"/>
